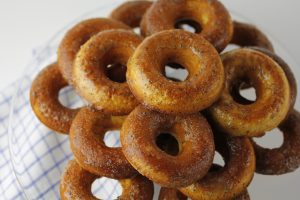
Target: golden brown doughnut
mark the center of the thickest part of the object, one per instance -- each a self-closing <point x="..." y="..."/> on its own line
<point x="171" y="194"/>
<point x="45" y="103"/>
<point x="272" y="91"/>
<point x="286" y="158"/>
<point x="86" y="139"/>
<point x="145" y="72"/>
<point x="193" y="133"/>
<point x="76" y="184"/>
<point x="77" y="36"/>
<point x="89" y="71"/>
<point x="210" y="19"/>
<point x="174" y="194"/>
<point x="233" y="178"/>
<point x="243" y="196"/>
<point x="249" y="35"/>
<point x="288" y="72"/>
<point x="131" y="12"/>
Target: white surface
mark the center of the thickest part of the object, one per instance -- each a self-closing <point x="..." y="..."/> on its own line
<point x="28" y="24"/>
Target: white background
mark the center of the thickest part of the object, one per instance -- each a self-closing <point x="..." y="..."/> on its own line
<point x="30" y="23"/>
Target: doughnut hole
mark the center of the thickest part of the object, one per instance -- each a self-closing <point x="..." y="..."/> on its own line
<point x="175" y="66"/>
<point x="230" y="47"/>
<point x="116" y="72"/>
<point x="176" y="72"/>
<point x="115" y="64"/>
<point x="168" y="143"/>
<point x="189" y="25"/>
<point x="218" y="159"/>
<point x="272" y="139"/>
<point x="243" y="92"/>
<point x="69" y="98"/>
<point x="137" y="30"/>
<point x="112" y="138"/>
<point x="112" y="189"/>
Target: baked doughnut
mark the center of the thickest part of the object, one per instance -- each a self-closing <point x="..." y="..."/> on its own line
<point x="233" y="178"/>
<point x="286" y="158"/>
<point x="89" y="71"/>
<point x="131" y="12"/>
<point x="77" y="36"/>
<point x="174" y="194"/>
<point x="145" y="72"/>
<point x="272" y="91"/>
<point x="209" y="18"/>
<point x="249" y="35"/>
<point x="44" y="100"/>
<point x="193" y="133"/>
<point x="76" y="183"/>
<point x="171" y="194"/>
<point x="243" y="196"/>
<point x="86" y="139"/>
<point x="288" y="72"/>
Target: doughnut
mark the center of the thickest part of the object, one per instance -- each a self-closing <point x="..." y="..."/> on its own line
<point x="194" y="136"/>
<point x="209" y="18"/>
<point x="44" y="100"/>
<point x="286" y="158"/>
<point x="174" y="194"/>
<point x="249" y="35"/>
<point x="145" y="73"/>
<point x="243" y="196"/>
<point x="233" y="178"/>
<point x="76" y="37"/>
<point x="76" y="183"/>
<point x="272" y="91"/>
<point x="131" y="12"/>
<point x="171" y="194"/>
<point x="86" y="139"/>
<point x="89" y="71"/>
<point x="288" y="72"/>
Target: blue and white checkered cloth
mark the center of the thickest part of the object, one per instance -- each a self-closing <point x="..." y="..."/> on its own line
<point x="9" y="187"/>
<point x="33" y="157"/>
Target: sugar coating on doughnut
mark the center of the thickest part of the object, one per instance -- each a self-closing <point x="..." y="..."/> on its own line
<point x="233" y="178"/>
<point x="86" y="139"/>
<point x="131" y="12"/>
<point x="76" y="184"/>
<point x="77" y="36"/>
<point x="44" y="100"/>
<point x="214" y="20"/>
<point x="147" y="82"/>
<point x="89" y="71"/>
<point x="286" y="158"/>
<point x="193" y="133"/>
<point x="272" y="91"/>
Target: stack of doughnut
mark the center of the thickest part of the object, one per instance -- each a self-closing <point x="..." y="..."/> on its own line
<point x="170" y="129"/>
